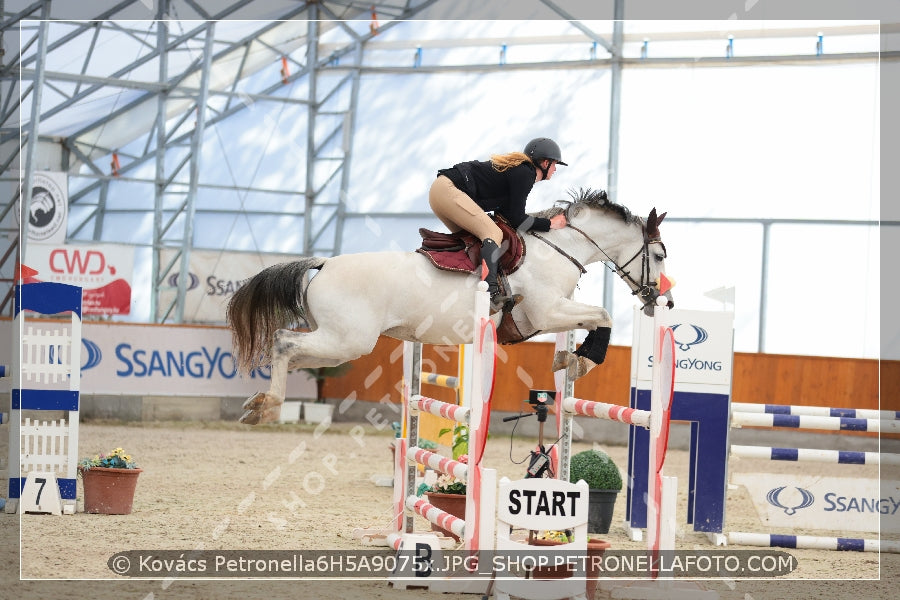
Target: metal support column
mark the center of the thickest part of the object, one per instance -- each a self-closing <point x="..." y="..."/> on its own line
<point x="32" y="130"/>
<point x="312" y="59"/>
<point x="162" y="34"/>
<point x="764" y="287"/>
<point x="615" y="98"/>
<point x="349" y="131"/>
<point x="196" y="143"/>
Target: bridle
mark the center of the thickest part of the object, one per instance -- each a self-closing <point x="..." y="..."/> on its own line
<point x="645" y="289"/>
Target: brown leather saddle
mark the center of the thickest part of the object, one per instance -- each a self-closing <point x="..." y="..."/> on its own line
<point x="461" y="252"/>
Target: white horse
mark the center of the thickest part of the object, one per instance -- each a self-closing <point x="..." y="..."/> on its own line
<point x="354" y="298"/>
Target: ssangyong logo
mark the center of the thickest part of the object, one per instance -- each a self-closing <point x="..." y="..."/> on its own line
<point x="697" y="335"/>
<point x="92" y="354"/>
<point x="193" y="281"/>
<point x="691" y="335"/>
<point x="806" y="499"/>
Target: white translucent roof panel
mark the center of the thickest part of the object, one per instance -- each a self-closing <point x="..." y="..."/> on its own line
<point x="767" y="141"/>
<point x="410" y="126"/>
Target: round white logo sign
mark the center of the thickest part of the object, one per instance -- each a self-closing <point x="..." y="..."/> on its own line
<point x="47" y="209"/>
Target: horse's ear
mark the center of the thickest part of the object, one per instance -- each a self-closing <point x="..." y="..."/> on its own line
<point x="660" y="218"/>
<point x="652" y="222"/>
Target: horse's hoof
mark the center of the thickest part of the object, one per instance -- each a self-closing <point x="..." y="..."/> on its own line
<point x="255" y="402"/>
<point x="561" y="360"/>
<point x="251" y="417"/>
<point x="580" y="367"/>
<point x="270" y="415"/>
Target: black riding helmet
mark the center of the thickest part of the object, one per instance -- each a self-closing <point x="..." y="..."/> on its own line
<point x="539" y="149"/>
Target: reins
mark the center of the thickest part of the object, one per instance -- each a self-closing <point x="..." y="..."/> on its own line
<point x="643" y="289"/>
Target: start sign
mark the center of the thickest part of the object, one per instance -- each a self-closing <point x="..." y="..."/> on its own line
<point x="543" y="504"/>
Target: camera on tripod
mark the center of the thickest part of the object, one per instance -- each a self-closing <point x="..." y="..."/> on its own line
<point x="541" y="401"/>
<point x="541" y="397"/>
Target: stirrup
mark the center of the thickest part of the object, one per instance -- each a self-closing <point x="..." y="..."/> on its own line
<point x="504" y="303"/>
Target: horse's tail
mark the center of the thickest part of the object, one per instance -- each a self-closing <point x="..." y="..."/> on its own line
<point x="272" y="299"/>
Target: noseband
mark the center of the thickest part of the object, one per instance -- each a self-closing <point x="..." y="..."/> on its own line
<point x="645" y="290"/>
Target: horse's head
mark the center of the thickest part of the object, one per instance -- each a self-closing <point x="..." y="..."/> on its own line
<point x="633" y="248"/>
<point x="654" y="254"/>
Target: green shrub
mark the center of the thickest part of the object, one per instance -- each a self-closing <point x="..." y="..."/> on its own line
<point x="597" y="469"/>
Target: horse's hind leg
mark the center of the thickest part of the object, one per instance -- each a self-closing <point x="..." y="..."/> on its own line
<point x="294" y="350"/>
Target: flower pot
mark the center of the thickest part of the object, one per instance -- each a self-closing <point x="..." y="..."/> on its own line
<point x="109" y="491"/>
<point x="560" y="572"/>
<point x="455" y="504"/>
<point x="290" y="411"/>
<point x="600" y="510"/>
<point x="596" y="548"/>
<point x="316" y="412"/>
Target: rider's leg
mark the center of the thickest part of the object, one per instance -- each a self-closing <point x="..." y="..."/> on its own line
<point x="490" y="254"/>
<point x="458" y="211"/>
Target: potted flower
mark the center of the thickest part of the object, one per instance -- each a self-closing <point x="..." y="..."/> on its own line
<point x="595" y="549"/>
<point x="604" y="481"/>
<point x="109" y="482"/>
<point x="448" y="494"/>
<point x="460" y="445"/>
<point x="551" y="538"/>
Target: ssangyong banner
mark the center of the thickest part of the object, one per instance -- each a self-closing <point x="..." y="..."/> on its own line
<point x="822" y="502"/>
<point x="103" y="271"/>
<point x="178" y="360"/>
<point x="212" y="279"/>
<point x="703" y="346"/>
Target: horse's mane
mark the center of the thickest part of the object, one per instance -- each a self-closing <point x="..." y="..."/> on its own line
<point x="590" y="198"/>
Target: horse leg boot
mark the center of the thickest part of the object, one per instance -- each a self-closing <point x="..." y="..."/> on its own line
<point x="490" y="256"/>
<point x="589" y="354"/>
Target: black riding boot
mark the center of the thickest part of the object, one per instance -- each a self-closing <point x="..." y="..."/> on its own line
<point x="491" y="253"/>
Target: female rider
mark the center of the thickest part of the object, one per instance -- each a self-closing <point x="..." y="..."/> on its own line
<point x="462" y="195"/>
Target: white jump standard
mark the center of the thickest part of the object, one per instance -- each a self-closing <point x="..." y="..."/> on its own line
<point x="477" y="528"/>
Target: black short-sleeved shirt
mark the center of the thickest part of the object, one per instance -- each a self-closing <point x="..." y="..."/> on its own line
<point x="503" y="193"/>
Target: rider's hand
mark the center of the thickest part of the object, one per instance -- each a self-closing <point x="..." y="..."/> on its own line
<point x="558" y="222"/>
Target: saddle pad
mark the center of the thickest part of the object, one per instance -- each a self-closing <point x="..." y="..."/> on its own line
<point x="462" y="252"/>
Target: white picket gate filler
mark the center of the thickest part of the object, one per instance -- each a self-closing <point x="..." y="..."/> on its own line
<point x="46" y="377"/>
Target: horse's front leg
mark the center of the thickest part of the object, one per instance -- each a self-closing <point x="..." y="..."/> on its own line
<point x="592" y="351"/>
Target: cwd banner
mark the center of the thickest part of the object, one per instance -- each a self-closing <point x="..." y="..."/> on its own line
<point x="212" y="279"/>
<point x="821" y="502"/>
<point x="145" y="360"/>
<point x="103" y="271"/>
